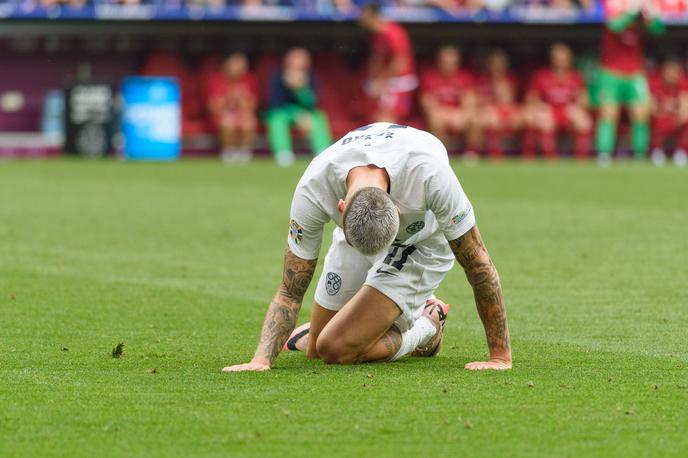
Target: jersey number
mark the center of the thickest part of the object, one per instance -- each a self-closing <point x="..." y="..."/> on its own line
<point x="391" y="259"/>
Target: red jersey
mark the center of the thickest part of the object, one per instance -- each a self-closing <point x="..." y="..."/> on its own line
<point x="666" y="96"/>
<point x="448" y="89"/>
<point x="233" y="91"/>
<point x="624" y="52"/>
<point x="501" y="93"/>
<point x="393" y="41"/>
<point x="558" y="90"/>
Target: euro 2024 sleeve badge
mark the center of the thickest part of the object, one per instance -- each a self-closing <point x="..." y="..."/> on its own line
<point x="295" y="231"/>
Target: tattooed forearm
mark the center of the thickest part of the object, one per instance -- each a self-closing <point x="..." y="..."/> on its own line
<point x="279" y="322"/>
<point x="283" y="312"/>
<point x="296" y="277"/>
<point x="481" y="273"/>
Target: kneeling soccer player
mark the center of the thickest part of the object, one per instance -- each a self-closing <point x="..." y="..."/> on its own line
<point x="401" y="212"/>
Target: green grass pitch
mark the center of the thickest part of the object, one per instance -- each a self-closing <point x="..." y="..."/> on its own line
<point x="179" y="261"/>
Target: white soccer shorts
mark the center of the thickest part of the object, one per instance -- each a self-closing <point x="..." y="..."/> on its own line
<point x="407" y="274"/>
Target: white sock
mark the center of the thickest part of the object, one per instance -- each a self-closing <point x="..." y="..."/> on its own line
<point x="658" y="156"/>
<point x="422" y="331"/>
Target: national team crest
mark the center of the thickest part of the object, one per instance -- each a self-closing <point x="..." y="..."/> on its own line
<point x="415" y="227"/>
<point x="295" y="231"/>
<point x="333" y="284"/>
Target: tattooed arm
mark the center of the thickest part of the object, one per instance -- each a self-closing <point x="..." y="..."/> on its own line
<point x="481" y="273"/>
<point x="282" y="314"/>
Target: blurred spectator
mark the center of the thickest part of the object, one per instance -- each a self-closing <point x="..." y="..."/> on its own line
<point x="500" y="116"/>
<point x="496" y="5"/>
<point x="391" y="67"/>
<point x="206" y="3"/>
<point x="557" y="101"/>
<point x="448" y="99"/>
<point x="326" y="7"/>
<point x="621" y="79"/>
<point x="128" y="2"/>
<point x="343" y="6"/>
<point x="266" y="3"/>
<point x="557" y="4"/>
<point x="232" y="100"/>
<point x="670" y="112"/>
<point x="458" y="5"/>
<point x="68" y="3"/>
<point x="672" y="6"/>
<point x="293" y="102"/>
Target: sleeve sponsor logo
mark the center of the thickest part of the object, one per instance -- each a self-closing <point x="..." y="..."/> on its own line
<point x="333" y="284"/>
<point x="295" y="231"/>
<point x="461" y="216"/>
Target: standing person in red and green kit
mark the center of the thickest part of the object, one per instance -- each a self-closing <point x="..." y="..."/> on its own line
<point x="622" y="80"/>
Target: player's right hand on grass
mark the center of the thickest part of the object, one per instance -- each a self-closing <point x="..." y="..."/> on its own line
<point x="253" y="366"/>
<point x="494" y="364"/>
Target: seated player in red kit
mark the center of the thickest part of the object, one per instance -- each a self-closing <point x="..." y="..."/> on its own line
<point x="448" y="99"/>
<point x="669" y="89"/>
<point x="557" y="101"/>
<point x="232" y="100"/>
<point x="499" y="115"/>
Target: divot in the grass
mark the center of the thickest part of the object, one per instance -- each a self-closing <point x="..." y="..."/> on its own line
<point x="118" y="350"/>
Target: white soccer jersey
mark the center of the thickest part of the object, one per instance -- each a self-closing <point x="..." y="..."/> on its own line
<point x="422" y="185"/>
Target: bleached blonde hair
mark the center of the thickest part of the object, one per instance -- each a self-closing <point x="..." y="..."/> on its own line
<point x="370" y="220"/>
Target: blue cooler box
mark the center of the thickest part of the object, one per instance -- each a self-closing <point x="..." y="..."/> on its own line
<point x="151" y="118"/>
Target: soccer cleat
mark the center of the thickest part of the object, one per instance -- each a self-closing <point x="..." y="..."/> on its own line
<point x="471" y="158"/>
<point x="296" y="341"/>
<point x="230" y="156"/>
<point x="285" y="158"/>
<point x="680" y="158"/>
<point x="244" y="155"/>
<point x="658" y="157"/>
<point x="604" y="161"/>
<point x="436" y="311"/>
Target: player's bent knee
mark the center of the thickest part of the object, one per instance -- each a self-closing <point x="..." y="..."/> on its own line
<point x="332" y="351"/>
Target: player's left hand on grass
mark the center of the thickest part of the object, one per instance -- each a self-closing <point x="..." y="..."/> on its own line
<point x="493" y="364"/>
<point x="248" y="367"/>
